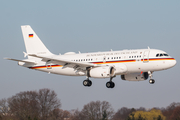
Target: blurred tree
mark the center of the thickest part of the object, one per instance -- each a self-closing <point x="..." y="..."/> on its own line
<point x="175" y="114"/>
<point x="5" y="113"/>
<point x="140" y="117"/>
<point x="76" y="115"/>
<point x="24" y="105"/>
<point x="123" y="113"/>
<point x="97" y="111"/>
<point x="169" y="110"/>
<point x="3" y="107"/>
<point x="159" y="118"/>
<point x="59" y="114"/>
<point x="151" y="115"/>
<point x="32" y="105"/>
<point x="48" y="101"/>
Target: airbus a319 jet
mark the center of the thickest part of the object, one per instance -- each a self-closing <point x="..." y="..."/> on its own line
<point x="131" y="65"/>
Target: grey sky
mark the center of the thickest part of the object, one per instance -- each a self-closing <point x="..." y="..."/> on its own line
<point x="90" y="26"/>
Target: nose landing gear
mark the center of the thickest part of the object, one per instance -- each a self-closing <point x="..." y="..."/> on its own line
<point x="151" y="81"/>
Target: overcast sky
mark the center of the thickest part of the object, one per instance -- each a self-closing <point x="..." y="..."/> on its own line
<point x="90" y="26"/>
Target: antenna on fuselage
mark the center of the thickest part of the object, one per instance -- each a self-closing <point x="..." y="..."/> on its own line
<point x="148" y="47"/>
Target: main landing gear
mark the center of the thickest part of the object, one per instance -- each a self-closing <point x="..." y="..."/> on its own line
<point x="151" y="81"/>
<point x="110" y="84"/>
<point x="87" y="82"/>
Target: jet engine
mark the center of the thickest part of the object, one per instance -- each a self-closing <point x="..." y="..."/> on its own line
<point x="101" y="72"/>
<point x="135" y="76"/>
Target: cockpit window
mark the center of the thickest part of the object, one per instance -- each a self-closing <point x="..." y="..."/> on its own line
<point x="165" y="54"/>
<point x="157" y="55"/>
<point x="161" y="54"/>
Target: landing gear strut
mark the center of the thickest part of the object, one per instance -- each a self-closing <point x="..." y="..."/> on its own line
<point x="151" y="81"/>
<point x="87" y="82"/>
<point x="110" y="84"/>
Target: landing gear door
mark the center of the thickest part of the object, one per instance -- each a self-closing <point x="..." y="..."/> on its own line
<point x="146" y="56"/>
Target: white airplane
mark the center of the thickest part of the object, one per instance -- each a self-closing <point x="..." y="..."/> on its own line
<point x="132" y="65"/>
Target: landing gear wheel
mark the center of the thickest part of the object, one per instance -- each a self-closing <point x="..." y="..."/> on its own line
<point x="151" y="81"/>
<point x="90" y="83"/>
<point x="87" y="83"/>
<point x="110" y="84"/>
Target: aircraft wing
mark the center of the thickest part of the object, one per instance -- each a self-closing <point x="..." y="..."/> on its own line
<point x="26" y="61"/>
<point x="63" y="62"/>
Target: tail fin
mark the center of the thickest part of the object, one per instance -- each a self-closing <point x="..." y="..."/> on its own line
<point x="32" y="42"/>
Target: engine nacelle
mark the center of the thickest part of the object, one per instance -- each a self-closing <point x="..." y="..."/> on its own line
<point x="135" y="76"/>
<point x="102" y="72"/>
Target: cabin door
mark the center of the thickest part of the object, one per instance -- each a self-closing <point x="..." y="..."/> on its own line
<point x="146" y="56"/>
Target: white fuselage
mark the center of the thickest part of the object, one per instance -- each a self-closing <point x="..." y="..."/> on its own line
<point x="124" y="62"/>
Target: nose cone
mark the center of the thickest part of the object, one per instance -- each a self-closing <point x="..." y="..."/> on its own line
<point x="173" y="63"/>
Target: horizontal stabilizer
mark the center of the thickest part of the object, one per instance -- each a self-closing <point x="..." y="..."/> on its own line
<point x="26" y="61"/>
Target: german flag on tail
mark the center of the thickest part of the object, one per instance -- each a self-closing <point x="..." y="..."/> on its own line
<point x="30" y="35"/>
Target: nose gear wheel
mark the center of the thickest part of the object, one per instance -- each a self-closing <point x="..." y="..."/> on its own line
<point x="151" y="81"/>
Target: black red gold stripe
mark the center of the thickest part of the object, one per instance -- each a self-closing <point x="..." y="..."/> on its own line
<point x="108" y="62"/>
<point x="40" y="67"/>
<point x="157" y="59"/>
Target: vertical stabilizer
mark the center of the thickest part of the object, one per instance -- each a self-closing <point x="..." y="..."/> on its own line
<point x="32" y="42"/>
